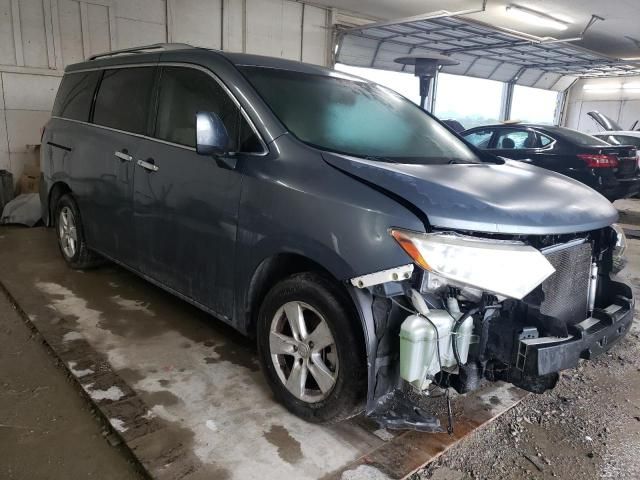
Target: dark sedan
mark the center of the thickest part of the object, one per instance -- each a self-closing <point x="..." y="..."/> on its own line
<point x="612" y="170"/>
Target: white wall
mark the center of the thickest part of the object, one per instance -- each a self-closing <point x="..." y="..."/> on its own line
<point x="38" y="38"/>
<point x="610" y="98"/>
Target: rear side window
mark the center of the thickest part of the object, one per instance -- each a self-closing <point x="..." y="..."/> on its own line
<point x="626" y="140"/>
<point x="516" y="139"/>
<point x="544" y="140"/>
<point x="75" y="95"/>
<point x="577" y="138"/>
<point x="123" y="99"/>
<point x="479" y="138"/>
<point x="185" y="92"/>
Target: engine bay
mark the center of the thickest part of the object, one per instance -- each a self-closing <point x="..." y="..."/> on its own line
<point x="433" y="332"/>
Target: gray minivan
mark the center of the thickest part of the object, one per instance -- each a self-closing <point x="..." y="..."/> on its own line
<point x="372" y="254"/>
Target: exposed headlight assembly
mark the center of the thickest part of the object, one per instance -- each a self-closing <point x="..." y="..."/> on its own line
<point x="506" y="268"/>
<point x="619" y="261"/>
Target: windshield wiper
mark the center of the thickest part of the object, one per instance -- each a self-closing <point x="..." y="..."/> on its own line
<point x="377" y="158"/>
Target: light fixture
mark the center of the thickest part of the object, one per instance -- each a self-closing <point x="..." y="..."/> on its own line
<point x="536" y="18"/>
<point x="631" y="86"/>
<point x="591" y="87"/>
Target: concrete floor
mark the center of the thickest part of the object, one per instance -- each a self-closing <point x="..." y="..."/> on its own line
<point x="47" y="428"/>
<point x="185" y="392"/>
<point x="587" y="428"/>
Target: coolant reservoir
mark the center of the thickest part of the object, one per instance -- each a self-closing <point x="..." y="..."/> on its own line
<point x="415" y="334"/>
<point x="419" y="346"/>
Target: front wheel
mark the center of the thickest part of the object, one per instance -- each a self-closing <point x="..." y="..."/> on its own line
<point x="311" y="349"/>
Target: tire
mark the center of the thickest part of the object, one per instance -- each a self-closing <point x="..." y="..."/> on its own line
<point x="340" y="368"/>
<point x="70" y="234"/>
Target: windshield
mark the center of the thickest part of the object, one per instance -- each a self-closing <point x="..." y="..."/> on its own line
<point x="346" y="115"/>
<point x="577" y="137"/>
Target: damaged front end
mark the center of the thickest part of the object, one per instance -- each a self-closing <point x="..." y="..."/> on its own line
<point x="474" y="307"/>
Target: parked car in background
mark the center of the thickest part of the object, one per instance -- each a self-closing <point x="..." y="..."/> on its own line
<point x="612" y="170"/>
<point x="621" y="138"/>
<point x="454" y="125"/>
<point x="614" y="134"/>
<point x="610" y="125"/>
<point x="318" y="213"/>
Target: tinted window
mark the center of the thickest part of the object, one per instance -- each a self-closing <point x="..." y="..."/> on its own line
<point x="479" y="138"/>
<point x="123" y="99"/>
<point x="516" y="139"/>
<point x="345" y="114"/>
<point x="75" y="95"/>
<point x="186" y="91"/>
<point x="544" y="140"/>
<point x="577" y="137"/>
<point x="609" y="139"/>
<point x="626" y="140"/>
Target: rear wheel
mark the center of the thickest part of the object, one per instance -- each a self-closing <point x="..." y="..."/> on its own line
<point x="70" y="234"/>
<point x="311" y="349"/>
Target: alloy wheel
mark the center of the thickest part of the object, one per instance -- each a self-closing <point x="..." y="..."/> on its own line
<point x="67" y="232"/>
<point x="303" y="352"/>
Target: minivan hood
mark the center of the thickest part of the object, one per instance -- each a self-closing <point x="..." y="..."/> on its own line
<point x="512" y="198"/>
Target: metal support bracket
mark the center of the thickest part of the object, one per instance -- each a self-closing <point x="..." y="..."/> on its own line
<point x="392" y="275"/>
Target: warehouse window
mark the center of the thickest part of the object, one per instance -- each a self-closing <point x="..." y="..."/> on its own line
<point x="471" y="101"/>
<point x="534" y="105"/>
<point x="406" y="84"/>
<point x="123" y="99"/>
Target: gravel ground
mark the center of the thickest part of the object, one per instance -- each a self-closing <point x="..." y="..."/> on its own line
<point x="588" y="427"/>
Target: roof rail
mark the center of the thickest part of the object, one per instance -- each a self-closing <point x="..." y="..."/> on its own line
<point x="144" y="48"/>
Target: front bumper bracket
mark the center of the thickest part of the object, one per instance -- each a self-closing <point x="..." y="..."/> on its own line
<point x="589" y="339"/>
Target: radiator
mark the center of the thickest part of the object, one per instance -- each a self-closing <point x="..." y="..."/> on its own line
<point x="566" y="292"/>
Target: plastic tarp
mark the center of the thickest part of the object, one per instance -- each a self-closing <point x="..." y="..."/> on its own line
<point x="23" y="210"/>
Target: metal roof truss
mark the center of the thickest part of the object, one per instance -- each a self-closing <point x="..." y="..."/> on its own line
<point x="482" y="50"/>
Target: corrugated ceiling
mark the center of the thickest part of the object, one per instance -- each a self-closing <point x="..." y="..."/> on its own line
<point x="482" y="51"/>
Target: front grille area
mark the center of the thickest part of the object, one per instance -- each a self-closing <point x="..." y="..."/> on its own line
<point x="566" y="291"/>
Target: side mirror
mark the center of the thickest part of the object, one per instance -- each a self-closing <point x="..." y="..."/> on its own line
<point x="211" y="134"/>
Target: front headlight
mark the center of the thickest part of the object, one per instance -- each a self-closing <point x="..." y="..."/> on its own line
<point x="506" y="268"/>
<point x="621" y="240"/>
<point x="618" y="251"/>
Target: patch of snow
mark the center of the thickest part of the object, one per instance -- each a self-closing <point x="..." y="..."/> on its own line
<point x="70" y="304"/>
<point x="79" y="373"/>
<point x="112" y="393"/>
<point x="71" y="336"/>
<point x="211" y="425"/>
<point x="162" y="412"/>
<point x="118" y="425"/>
<point x="149" y="415"/>
<point x="132" y="305"/>
<point x="364" y="472"/>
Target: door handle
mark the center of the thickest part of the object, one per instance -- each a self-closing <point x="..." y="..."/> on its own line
<point x="148" y="165"/>
<point x="123" y="155"/>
